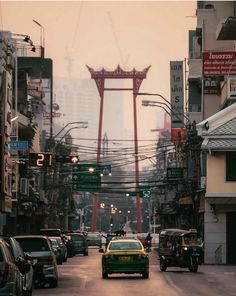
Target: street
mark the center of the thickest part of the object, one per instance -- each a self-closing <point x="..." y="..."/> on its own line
<point x="82" y="276"/>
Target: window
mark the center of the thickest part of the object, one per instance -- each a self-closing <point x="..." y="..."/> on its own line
<point x="231" y="166"/>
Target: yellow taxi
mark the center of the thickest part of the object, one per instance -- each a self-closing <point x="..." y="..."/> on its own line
<point x="125" y="256"/>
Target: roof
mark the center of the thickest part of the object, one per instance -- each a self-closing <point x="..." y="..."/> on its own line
<point x="176" y="232"/>
<point x="221" y="137"/>
<point x="219" y="144"/>
<point x="30" y="236"/>
<point x="227" y="128"/>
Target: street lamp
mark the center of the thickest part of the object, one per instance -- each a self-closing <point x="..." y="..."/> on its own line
<point x="171" y="107"/>
<point x="84" y="124"/>
<point x="147" y="103"/>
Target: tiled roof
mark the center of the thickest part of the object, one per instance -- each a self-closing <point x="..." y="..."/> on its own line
<point x="228" y="128"/>
<point x="219" y="144"/>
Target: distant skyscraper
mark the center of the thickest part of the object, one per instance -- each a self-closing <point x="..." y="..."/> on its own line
<point x="78" y="100"/>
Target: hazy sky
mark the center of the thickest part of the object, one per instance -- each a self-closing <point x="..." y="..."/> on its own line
<point x="107" y="33"/>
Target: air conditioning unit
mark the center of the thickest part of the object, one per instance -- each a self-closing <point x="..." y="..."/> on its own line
<point x="231" y="88"/>
<point x="203" y="182"/>
<point x="24" y="186"/>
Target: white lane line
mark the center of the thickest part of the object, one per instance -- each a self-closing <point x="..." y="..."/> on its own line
<point x="84" y="281"/>
<point x="229" y="272"/>
<point x="171" y="283"/>
<point x="67" y="273"/>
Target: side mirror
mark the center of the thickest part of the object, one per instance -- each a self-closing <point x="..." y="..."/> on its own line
<point x="100" y="250"/>
<point x="23" y="265"/>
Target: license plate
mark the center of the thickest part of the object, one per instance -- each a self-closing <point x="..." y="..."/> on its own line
<point x="125" y="259"/>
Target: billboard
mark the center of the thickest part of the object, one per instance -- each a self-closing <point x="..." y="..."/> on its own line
<point x="218" y="63"/>
<point x="177" y="94"/>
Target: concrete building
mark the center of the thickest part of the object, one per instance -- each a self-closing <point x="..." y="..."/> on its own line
<point x="211" y="90"/>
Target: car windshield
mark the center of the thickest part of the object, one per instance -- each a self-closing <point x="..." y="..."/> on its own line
<point x="33" y="244"/>
<point x="125" y="246"/>
<point x="77" y="237"/>
<point x="192" y="239"/>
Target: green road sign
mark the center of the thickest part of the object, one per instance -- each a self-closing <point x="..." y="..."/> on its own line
<point x="174" y="174"/>
<point x="86" y="177"/>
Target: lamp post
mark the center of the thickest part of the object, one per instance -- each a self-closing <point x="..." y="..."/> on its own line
<point x="172" y="108"/>
<point x="84" y="124"/>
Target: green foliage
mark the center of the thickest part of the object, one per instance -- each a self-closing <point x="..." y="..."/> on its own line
<point x="27" y="133"/>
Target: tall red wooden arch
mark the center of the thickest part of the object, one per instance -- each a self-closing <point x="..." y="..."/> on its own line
<point x="99" y="77"/>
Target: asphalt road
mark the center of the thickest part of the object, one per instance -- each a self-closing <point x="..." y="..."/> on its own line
<point x="82" y="276"/>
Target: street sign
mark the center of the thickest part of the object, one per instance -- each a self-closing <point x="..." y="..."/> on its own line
<point x="174" y="174"/>
<point x="105" y="170"/>
<point x="86" y="177"/>
<point x="19" y="145"/>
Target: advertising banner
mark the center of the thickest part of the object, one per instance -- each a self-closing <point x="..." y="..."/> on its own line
<point x="219" y="63"/>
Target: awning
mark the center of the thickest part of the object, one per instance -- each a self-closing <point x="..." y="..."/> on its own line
<point x="187" y="200"/>
<point x="224" y="199"/>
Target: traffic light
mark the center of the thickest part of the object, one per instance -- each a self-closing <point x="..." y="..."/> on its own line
<point x="74" y="159"/>
<point x="40" y="159"/>
<point x="111" y="221"/>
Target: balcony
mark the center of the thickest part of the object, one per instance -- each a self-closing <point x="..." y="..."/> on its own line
<point x="226" y="29"/>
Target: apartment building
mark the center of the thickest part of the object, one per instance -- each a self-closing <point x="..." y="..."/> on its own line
<point x="211" y="103"/>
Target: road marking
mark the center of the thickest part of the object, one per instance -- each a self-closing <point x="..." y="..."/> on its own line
<point x="229" y="272"/>
<point x="66" y="273"/>
<point x="84" y="281"/>
<point x="211" y="280"/>
<point x="171" y="283"/>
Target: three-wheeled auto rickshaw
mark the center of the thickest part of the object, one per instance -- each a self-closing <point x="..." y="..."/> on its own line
<point x="180" y="248"/>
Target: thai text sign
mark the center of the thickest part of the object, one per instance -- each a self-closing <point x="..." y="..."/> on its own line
<point x="219" y="63"/>
<point x="177" y="94"/>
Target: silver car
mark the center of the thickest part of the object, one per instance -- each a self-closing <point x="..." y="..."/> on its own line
<point x="40" y="250"/>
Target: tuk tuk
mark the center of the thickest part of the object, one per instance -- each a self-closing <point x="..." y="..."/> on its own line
<point x="180" y="248"/>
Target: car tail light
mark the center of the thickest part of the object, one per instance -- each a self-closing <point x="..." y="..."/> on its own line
<point x="5" y="275"/>
<point x="109" y="256"/>
<point x="141" y="256"/>
<point x="46" y="260"/>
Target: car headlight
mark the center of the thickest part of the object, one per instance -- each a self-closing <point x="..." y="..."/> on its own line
<point x="185" y="248"/>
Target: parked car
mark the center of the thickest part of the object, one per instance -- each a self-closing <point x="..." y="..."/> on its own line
<point x="23" y="264"/>
<point x="40" y="249"/>
<point x="56" y="249"/>
<point x="50" y="231"/>
<point x="94" y="239"/>
<point x="62" y="247"/>
<point x="10" y="275"/>
<point x="125" y="256"/>
<point x="80" y="242"/>
<point x="69" y="245"/>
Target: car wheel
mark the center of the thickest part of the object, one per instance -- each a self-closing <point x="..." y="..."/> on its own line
<point x="53" y="283"/>
<point x="146" y="275"/>
<point x="104" y="275"/>
<point x="163" y="265"/>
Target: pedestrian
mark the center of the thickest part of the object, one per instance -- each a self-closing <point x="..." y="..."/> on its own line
<point x="149" y="240"/>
